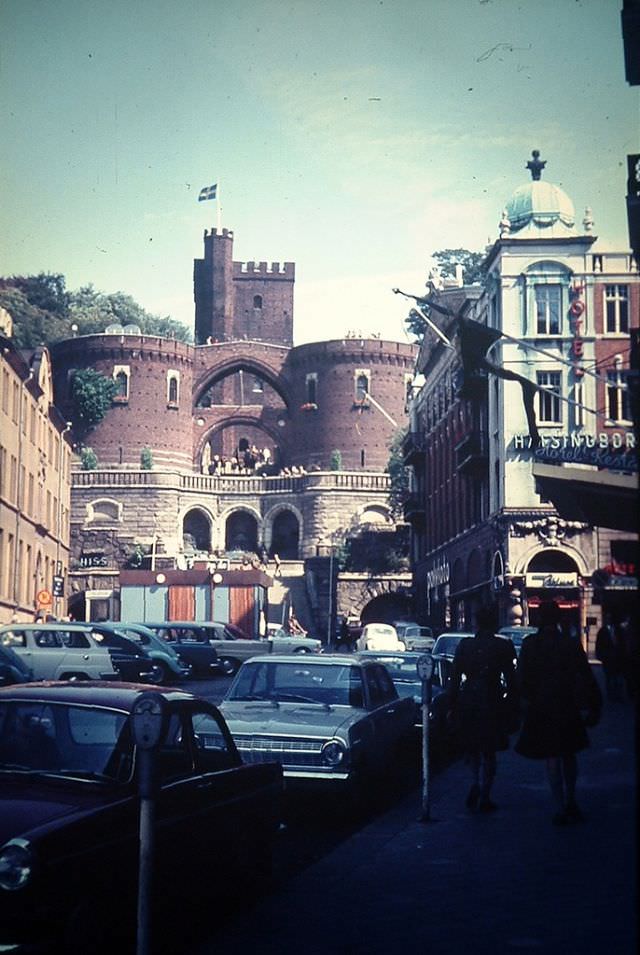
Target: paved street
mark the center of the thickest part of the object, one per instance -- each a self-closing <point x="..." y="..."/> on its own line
<point x="507" y="882"/>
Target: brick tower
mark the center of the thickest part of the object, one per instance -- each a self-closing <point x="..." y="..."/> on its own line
<point x="238" y="301"/>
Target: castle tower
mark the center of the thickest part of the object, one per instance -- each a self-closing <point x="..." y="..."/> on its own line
<point x="238" y="301"/>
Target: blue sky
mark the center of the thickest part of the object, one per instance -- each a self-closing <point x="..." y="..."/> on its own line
<point x="354" y="137"/>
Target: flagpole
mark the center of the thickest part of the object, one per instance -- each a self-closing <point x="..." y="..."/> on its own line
<point x="218" y="209"/>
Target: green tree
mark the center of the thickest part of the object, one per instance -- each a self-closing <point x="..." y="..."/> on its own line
<point x="146" y="459"/>
<point x="88" y="459"/>
<point x="473" y="269"/>
<point x="473" y="273"/>
<point x="91" y="395"/>
<point x="398" y="474"/>
<point x="43" y="311"/>
<point x="335" y="462"/>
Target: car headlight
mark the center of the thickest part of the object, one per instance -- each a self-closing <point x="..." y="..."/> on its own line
<point x="16" y="864"/>
<point x="333" y="752"/>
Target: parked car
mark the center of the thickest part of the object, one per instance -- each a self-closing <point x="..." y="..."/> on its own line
<point x="443" y="652"/>
<point x="379" y="636"/>
<point x="327" y="718"/>
<point x="233" y="646"/>
<point x="414" y="636"/>
<point x="403" y="671"/>
<point x="13" y="669"/>
<point x="69" y="812"/>
<point x="74" y="651"/>
<point x="192" y="647"/>
<point x="167" y="665"/>
<point x="516" y="635"/>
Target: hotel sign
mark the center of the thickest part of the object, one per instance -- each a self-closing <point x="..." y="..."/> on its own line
<point x="551" y="581"/>
<point x="614" y="450"/>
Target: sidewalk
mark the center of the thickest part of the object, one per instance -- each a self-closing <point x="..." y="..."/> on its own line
<point x="507" y="882"/>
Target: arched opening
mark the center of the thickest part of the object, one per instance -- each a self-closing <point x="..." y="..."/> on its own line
<point x="196" y="532"/>
<point x="386" y="608"/>
<point x="122" y="385"/>
<point x="285" y="535"/>
<point x="554" y="575"/>
<point x="552" y="561"/>
<point x="241" y="532"/>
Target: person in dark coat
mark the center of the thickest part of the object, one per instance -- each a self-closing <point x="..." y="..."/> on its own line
<point x="482" y="693"/>
<point x="610" y="652"/>
<point x="560" y="697"/>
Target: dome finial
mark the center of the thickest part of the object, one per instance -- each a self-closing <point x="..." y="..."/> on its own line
<point x="536" y="165"/>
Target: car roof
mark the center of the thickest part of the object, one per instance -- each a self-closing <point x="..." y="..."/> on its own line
<point x="456" y="633"/>
<point x="390" y="654"/>
<point x="308" y="659"/>
<point x="58" y="625"/>
<point x="119" y="696"/>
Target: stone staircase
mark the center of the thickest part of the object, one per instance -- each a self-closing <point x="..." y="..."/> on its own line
<point x="289" y="590"/>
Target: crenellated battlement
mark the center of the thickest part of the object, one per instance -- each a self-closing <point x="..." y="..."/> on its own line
<point x="224" y="233"/>
<point x="276" y="270"/>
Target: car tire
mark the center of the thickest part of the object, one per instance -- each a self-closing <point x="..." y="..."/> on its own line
<point x="229" y="666"/>
<point x="160" y="673"/>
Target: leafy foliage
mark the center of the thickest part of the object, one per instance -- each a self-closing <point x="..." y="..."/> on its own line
<point x="399" y="475"/>
<point x="473" y="272"/>
<point x="472" y="264"/>
<point x="335" y="463"/>
<point x="88" y="459"/>
<point x="146" y="459"/>
<point x="43" y="311"/>
<point x="91" y="396"/>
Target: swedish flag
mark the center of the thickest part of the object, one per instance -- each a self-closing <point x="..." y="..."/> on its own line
<point x="208" y="192"/>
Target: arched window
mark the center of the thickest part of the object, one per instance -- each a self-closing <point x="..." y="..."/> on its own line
<point x="173" y="388"/>
<point x="121" y="377"/>
<point x="257" y="301"/>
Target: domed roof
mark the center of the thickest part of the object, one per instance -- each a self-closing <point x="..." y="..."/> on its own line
<point x="538" y="206"/>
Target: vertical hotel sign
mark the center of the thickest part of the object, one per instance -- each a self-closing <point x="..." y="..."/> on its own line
<point x="576" y="311"/>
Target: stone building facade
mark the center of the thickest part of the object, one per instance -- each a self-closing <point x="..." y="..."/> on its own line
<point x="35" y="475"/>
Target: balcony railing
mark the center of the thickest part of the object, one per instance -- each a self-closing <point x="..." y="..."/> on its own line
<point x="414" y="444"/>
<point x="472" y="454"/>
<point x="239" y="484"/>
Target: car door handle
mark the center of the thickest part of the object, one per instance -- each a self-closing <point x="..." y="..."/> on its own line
<point x="205" y="785"/>
<point x="391" y="711"/>
<point x="85" y="656"/>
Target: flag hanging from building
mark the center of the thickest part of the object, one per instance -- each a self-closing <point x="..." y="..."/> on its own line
<point x="208" y="192"/>
<point x="475" y="340"/>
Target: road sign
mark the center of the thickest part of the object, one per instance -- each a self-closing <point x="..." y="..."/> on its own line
<point x="58" y="586"/>
<point x="44" y="598"/>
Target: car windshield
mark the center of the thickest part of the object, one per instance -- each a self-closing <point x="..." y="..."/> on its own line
<point x="447" y="644"/>
<point x="107" y="638"/>
<point x="401" y="667"/>
<point x="60" y="739"/>
<point x="329" y="684"/>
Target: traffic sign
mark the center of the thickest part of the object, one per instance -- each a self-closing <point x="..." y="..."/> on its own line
<point x="58" y="586"/>
<point x="44" y="598"/>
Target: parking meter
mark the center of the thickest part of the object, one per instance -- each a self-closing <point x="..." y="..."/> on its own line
<point x="424" y="666"/>
<point x="148" y="720"/>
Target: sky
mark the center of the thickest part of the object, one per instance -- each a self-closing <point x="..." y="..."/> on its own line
<point x="353" y="137"/>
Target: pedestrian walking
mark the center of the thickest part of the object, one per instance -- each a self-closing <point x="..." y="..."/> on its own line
<point x="560" y="697"/>
<point x="483" y="704"/>
<point x="610" y="652"/>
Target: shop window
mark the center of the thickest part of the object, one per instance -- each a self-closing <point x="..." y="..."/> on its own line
<point x="549" y="410"/>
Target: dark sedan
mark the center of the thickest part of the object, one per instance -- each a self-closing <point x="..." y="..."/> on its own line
<point x="191" y="645"/>
<point x="69" y="810"/>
